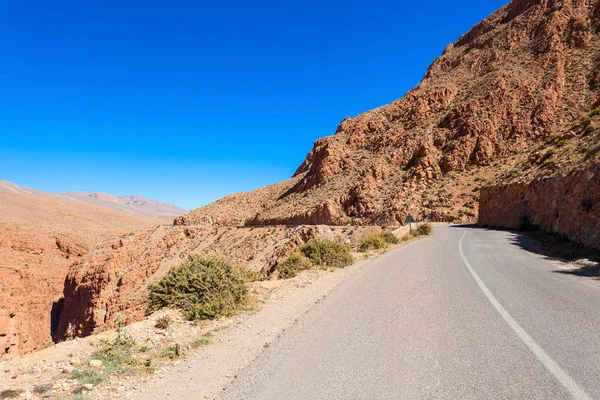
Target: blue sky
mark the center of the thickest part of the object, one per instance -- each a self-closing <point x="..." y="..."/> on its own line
<point x="188" y="101"/>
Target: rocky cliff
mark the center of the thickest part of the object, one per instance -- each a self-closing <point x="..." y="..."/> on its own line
<point x="109" y="285"/>
<point x="40" y="236"/>
<point x="555" y="188"/>
<point x="485" y="116"/>
<point x="508" y="84"/>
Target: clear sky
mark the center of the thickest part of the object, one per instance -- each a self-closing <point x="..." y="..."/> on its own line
<point x="188" y="101"/>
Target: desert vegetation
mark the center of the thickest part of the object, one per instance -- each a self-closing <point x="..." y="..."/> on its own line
<point x="202" y="288"/>
<point x="316" y="253"/>
<point x="378" y="242"/>
<point x="425" y="229"/>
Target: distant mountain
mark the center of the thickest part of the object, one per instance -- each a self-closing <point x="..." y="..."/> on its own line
<point x="134" y="205"/>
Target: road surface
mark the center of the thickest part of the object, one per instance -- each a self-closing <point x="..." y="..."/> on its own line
<point x="465" y="314"/>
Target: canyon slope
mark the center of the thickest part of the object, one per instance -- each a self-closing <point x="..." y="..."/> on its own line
<point x="511" y="102"/>
<point x="515" y="79"/>
<point x="40" y="236"/>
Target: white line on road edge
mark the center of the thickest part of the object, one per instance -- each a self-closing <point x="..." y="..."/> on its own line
<point x="576" y="391"/>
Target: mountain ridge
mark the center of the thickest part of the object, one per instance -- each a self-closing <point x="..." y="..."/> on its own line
<point x="130" y="204"/>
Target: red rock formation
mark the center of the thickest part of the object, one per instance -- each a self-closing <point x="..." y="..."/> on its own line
<point x="557" y="189"/>
<point x="40" y="236"/>
<point x="486" y="111"/>
<point x="109" y="285"/>
<point x="517" y="77"/>
<point x="568" y="205"/>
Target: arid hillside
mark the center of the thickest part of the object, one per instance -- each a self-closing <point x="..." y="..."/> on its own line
<point x="506" y="86"/>
<point x="134" y="205"/>
<point x="40" y="236"/>
<point x="493" y="101"/>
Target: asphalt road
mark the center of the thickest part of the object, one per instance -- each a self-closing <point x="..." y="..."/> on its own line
<point x="465" y="314"/>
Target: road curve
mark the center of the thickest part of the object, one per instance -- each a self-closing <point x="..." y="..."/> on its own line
<point x="465" y="314"/>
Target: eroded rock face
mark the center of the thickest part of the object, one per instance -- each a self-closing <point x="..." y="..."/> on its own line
<point x="109" y="286"/>
<point x="568" y="205"/>
<point x="40" y="236"/>
<point x="484" y="116"/>
<point x="517" y="77"/>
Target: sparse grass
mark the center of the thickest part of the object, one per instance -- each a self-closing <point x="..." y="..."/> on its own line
<point x="88" y="375"/>
<point x="553" y="138"/>
<point x="163" y="322"/>
<point x="203" y="288"/>
<point x="172" y="351"/>
<point x="10" y="394"/>
<point x="548" y="155"/>
<point x="289" y="267"/>
<point x="327" y="254"/>
<point x="201" y="341"/>
<point x="117" y="356"/>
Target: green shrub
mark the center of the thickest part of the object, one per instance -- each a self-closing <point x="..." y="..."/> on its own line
<point x="424" y="230"/>
<point x="372" y="242"/>
<point x="289" y="267"/>
<point x="203" y="288"/>
<point x="325" y="253"/>
<point x="407" y="237"/>
<point x="389" y="237"/>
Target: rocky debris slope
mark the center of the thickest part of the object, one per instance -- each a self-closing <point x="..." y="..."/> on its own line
<point x="508" y="84"/>
<point x="555" y="188"/>
<point x="109" y="285"/>
<point x="39" y="237"/>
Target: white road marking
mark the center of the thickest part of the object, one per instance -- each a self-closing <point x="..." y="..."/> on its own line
<point x="574" y="389"/>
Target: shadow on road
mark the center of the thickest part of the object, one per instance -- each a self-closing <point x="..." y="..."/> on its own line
<point x="553" y="247"/>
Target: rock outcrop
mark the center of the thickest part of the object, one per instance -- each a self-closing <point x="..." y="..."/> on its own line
<point x="109" y="285"/>
<point x="494" y="111"/>
<point x="556" y="187"/>
<point x="40" y="236"/>
<point x="516" y="78"/>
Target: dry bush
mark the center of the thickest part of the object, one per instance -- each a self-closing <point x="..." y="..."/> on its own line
<point x="203" y="288"/>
